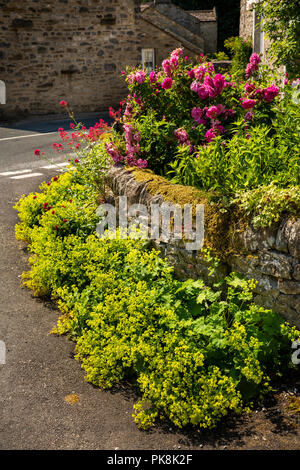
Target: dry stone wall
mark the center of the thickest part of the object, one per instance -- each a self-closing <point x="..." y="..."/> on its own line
<point x="271" y="255"/>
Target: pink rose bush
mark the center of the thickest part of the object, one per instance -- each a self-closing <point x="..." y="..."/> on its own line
<point x="185" y="104"/>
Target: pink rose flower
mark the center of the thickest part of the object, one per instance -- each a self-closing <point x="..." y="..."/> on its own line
<point x="200" y="72"/>
<point x="219" y="83"/>
<point x="167" y="67"/>
<point x="153" y="77"/>
<point x="197" y="113"/>
<point x="254" y="59"/>
<point x="270" y="93"/>
<point x="221" y="108"/>
<point x="167" y="83"/>
<point x="210" y="135"/>
<point x="248" y="104"/>
<point x="212" y="112"/>
<point x="182" y="136"/>
<point x="249" y="87"/>
<point x="141" y="163"/>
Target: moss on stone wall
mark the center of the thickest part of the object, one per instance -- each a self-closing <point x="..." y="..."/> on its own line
<point x="216" y="217"/>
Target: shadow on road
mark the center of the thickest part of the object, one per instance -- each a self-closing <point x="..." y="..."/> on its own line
<point x="45" y="124"/>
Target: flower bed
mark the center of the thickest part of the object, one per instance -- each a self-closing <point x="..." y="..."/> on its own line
<point x="204" y="129"/>
<point x="195" y="354"/>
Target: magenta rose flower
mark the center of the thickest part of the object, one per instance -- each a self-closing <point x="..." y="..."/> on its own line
<point x="249" y="87"/>
<point x="153" y="77"/>
<point x="197" y="113"/>
<point x="167" y="67"/>
<point x="212" y="112"/>
<point x="270" y="93"/>
<point x="248" y="104"/>
<point x="254" y="59"/>
<point x="167" y="83"/>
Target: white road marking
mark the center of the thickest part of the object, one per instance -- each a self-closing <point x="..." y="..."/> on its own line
<point x="18" y="172"/>
<point x="30" y="175"/>
<point x="52" y="167"/>
<point x="30" y="135"/>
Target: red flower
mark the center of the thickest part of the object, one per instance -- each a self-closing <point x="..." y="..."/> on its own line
<point x="34" y="197"/>
<point x="76" y="160"/>
<point x="63" y="103"/>
<point x="65" y="220"/>
<point x="167" y="83"/>
<point x="37" y="152"/>
<point x="248" y="104"/>
<point x="55" y="178"/>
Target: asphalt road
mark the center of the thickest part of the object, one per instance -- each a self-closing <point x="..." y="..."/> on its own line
<point x="40" y="371"/>
<point x="18" y="141"/>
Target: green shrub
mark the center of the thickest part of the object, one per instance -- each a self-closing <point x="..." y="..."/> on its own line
<point x="268" y="204"/>
<point x="240" y="51"/>
<point x="246" y="162"/>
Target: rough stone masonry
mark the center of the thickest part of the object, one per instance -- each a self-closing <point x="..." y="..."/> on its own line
<point x="271" y="255"/>
<point x="76" y="49"/>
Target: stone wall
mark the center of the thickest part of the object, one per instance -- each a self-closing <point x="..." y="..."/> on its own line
<point x="208" y="28"/>
<point x="73" y="50"/>
<point x="65" y="49"/>
<point x="161" y="42"/>
<point x="271" y="256"/>
<point x="246" y="21"/>
<point x="249" y="30"/>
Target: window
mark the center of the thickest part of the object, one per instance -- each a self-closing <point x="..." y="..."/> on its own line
<point x="2" y="93"/>
<point x="148" y="59"/>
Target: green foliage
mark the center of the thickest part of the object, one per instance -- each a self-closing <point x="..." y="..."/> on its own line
<point x="221" y="56"/>
<point x="246" y="162"/>
<point x="240" y="51"/>
<point x="93" y="165"/>
<point x="268" y="204"/>
<point x="64" y="206"/>
<point x="195" y="353"/>
<point x="281" y="22"/>
<point x="204" y="129"/>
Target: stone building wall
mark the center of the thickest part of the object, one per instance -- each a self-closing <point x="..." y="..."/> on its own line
<point x="270" y="256"/>
<point x="208" y="27"/>
<point x="65" y="49"/>
<point x="73" y="50"/>
<point x="246" y="21"/>
<point x="249" y="29"/>
<point x="161" y="42"/>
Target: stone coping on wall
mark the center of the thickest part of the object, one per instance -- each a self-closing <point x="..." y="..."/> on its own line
<point x="271" y="255"/>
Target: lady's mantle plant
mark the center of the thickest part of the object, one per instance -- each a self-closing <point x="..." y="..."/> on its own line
<point x="194" y="354"/>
